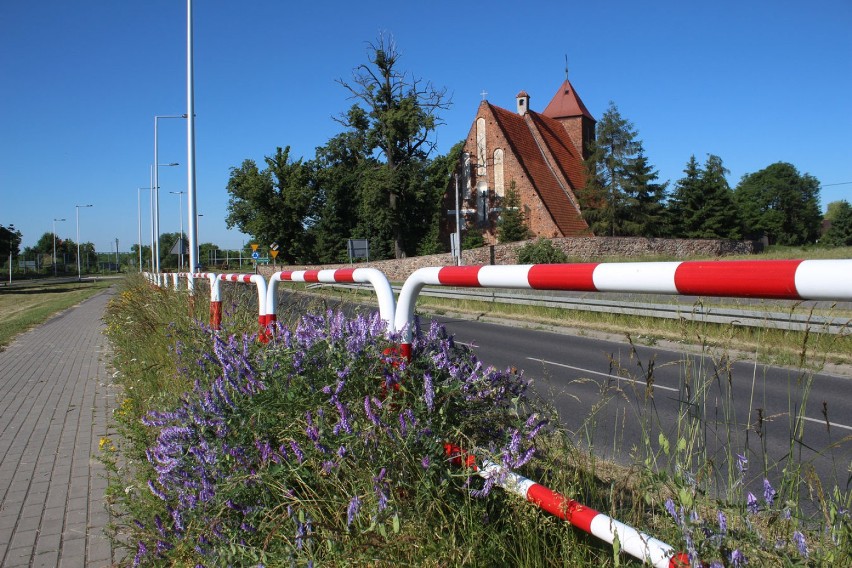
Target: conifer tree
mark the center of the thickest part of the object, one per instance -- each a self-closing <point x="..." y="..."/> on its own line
<point x="646" y="215"/>
<point x="512" y="226"/>
<point x="702" y="206"/>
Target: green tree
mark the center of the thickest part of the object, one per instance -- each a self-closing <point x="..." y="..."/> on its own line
<point x="605" y="200"/>
<point x="833" y="209"/>
<point x="512" y="226"/>
<point x="839" y="234"/>
<point x="273" y="204"/>
<point x="337" y="172"/>
<point x="10" y="241"/>
<point x="397" y="122"/>
<point x="702" y="206"/>
<point x="647" y="213"/>
<point x="541" y="251"/>
<point x="781" y="204"/>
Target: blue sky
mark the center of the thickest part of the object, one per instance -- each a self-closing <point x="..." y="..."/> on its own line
<point x="80" y="82"/>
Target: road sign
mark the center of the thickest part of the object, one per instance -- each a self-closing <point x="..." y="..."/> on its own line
<point x="254" y="246"/>
<point x="274" y="253"/>
<point x="273" y="246"/>
<point x="255" y="255"/>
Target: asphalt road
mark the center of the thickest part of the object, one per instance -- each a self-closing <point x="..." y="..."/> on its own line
<point x="601" y="391"/>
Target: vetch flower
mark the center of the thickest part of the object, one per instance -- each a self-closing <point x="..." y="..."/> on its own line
<point x="738" y="558"/>
<point x="799" y="539"/>
<point x="670" y="507"/>
<point x="751" y="503"/>
<point x="723" y="523"/>
<point x="352" y="510"/>
<point x="768" y="492"/>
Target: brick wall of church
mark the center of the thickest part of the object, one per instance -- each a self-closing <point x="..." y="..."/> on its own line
<point x="537" y="217"/>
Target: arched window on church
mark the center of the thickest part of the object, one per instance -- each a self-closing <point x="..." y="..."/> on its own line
<point x="481" y="154"/>
<point x="467" y="183"/>
<point x="482" y="201"/>
<point x="499" y="188"/>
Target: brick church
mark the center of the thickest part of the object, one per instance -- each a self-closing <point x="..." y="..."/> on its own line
<point x="540" y="154"/>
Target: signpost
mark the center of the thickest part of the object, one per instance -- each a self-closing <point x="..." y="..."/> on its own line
<point x="358" y="248"/>
<point x="273" y="252"/>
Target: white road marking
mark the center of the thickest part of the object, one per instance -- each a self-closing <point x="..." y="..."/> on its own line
<point x="822" y="421"/>
<point x="656" y="386"/>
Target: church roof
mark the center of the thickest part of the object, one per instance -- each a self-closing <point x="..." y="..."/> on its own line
<point x="566" y="103"/>
<point x="519" y="133"/>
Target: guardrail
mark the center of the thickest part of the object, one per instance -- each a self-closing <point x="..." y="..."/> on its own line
<point x="781" y="279"/>
<point x="770" y="279"/>
<point x="381" y="286"/>
<point x="697" y="311"/>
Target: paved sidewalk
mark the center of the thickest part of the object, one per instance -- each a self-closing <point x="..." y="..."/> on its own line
<point x="55" y="398"/>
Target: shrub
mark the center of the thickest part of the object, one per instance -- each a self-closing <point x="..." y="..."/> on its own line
<point x="541" y="251"/>
<point x="323" y="445"/>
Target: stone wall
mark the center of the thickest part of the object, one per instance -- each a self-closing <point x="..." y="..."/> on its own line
<point x="578" y="249"/>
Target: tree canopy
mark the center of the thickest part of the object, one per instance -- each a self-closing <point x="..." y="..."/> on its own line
<point x="781" y="204"/>
<point x="375" y="180"/>
<point x="839" y="234"/>
<point x="702" y="204"/>
<point x="10" y="241"/>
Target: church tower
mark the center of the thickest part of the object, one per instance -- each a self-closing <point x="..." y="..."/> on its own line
<point x="567" y="108"/>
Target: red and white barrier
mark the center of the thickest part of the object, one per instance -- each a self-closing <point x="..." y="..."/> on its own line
<point x="633" y="542"/>
<point x="379" y="281"/>
<point x="260" y="282"/>
<point x="772" y="279"/>
<point x="215" y="298"/>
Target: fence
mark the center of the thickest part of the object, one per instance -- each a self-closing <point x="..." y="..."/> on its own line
<point x="781" y="279"/>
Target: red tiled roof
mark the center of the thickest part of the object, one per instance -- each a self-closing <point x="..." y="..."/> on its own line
<point x="566" y="103"/>
<point x="562" y="148"/>
<point x="518" y="135"/>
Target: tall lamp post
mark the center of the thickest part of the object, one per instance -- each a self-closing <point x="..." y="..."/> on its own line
<point x="156" y="185"/>
<point x="139" y="221"/>
<point x="79" y="274"/>
<point x="155" y="216"/>
<point x="54" y="245"/>
<point x="180" y="214"/>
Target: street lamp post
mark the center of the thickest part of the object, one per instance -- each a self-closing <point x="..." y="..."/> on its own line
<point x="79" y="274"/>
<point x="139" y="221"/>
<point x="54" y="245"/>
<point x="180" y="214"/>
<point x="156" y="184"/>
<point x="155" y="216"/>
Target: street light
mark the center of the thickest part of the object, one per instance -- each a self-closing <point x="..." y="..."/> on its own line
<point x="155" y="228"/>
<point x="54" y="245"/>
<point x="79" y="274"/>
<point x="156" y="184"/>
<point x="180" y="214"/>
<point x="139" y="221"/>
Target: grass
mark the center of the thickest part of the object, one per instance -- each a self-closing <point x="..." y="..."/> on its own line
<point x="27" y="305"/>
<point x="671" y="490"/>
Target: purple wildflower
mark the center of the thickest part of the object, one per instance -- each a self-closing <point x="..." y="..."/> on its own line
<point x="738" y="558"/>
<point x="670" y="507"/>
<point x="742" y="463"/>
<point x="368" y="409"/>
<point x="300" y="456"/>
<point x="723" y="523"/>
<point x="768" y="492"/>
<point x="751" y="503"/>
<point x="352" y="510"/>
<point x="425" y="462"/>
<point x="156" y="491"/>
<point x="428" y="391"/>
<point x="311" y="430"/>
<point x="141" y="551"/>
<point x="799" y="539"/>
